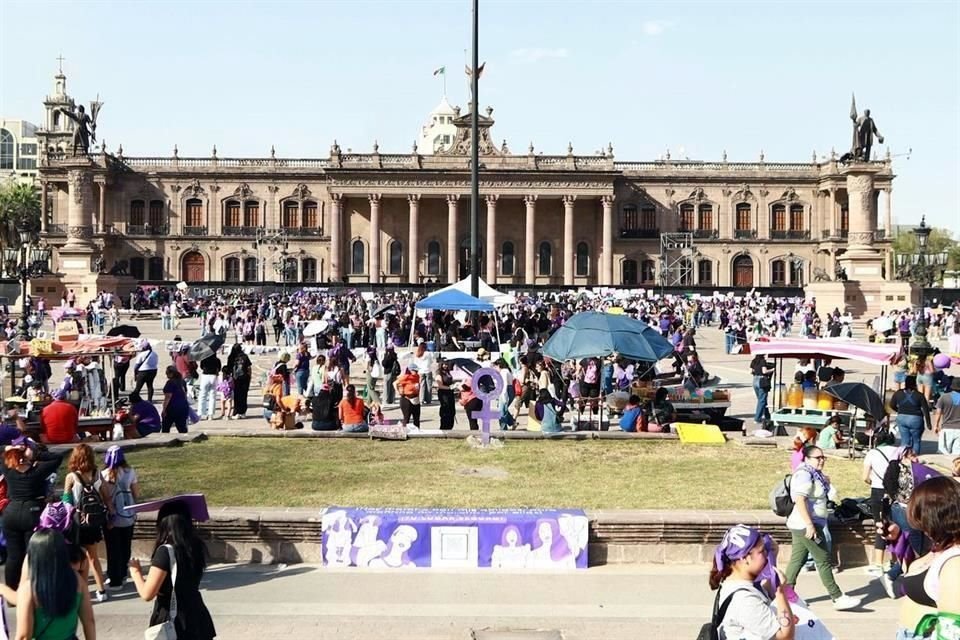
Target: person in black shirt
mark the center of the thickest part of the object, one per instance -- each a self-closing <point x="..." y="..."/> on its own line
<point x="762" y="370"/>
<point x="324" y="410"/>
<point x="27" y="472"/>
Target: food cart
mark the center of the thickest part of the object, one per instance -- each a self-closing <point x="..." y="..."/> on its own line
<point x="813" y="408"/>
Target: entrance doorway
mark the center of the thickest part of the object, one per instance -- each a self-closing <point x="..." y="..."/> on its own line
<point x="193" y="267"/>
<point x="743" y="272"/>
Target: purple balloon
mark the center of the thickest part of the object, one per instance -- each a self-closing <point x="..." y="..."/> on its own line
<point x="941" y="361"/>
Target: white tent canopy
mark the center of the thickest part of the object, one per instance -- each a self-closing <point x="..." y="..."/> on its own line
<point x="485" y="291"/>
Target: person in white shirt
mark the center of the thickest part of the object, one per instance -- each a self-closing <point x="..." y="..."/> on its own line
<point x="145" y="369"/>
<point x="875" y="464"/>
<point x="425" y="363"/>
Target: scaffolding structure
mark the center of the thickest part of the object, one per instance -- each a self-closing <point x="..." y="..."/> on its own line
<point x="676" y="259"/>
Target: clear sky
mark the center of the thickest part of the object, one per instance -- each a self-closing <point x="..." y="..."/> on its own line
<point x="695" y="78"/>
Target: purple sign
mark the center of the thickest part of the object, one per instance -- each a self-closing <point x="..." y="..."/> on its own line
<point x="454" y="538"/>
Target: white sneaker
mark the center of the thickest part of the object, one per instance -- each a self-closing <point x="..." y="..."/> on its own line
<point x="887" y="583"/>
<point x="874" y="570"/>
<point x="101" y="596"/>
<point x="845" y="603"/>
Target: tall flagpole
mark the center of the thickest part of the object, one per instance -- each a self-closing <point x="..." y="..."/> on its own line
<point x="474" y="166"/>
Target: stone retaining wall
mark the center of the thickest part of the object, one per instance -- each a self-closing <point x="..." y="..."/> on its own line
<point x="292" y="536"/>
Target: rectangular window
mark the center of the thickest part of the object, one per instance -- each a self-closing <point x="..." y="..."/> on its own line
<point x="743" y="221"/>
<point x="686" y="217"/>
<point x="705" y="272"/>
<point x="194" y="214"/>
<point x="26" y="164"/>
<point x="28" y="149"/>
<point x="779" y="273"/>
<point x="310" y="220"/>
<point x="796" y="218"/>
<point x="648" y="218"/>
<point x="844" y="219"/>
<point x="156" y="214"/>
<point x="290" y="217"/>
<point x="136" y="213"/>
<point x="232" y="219"/>
<point x="630" y="218"/>
<point x="251" y="214"/>
<point x="779" y="220"/>
<point x="647" y="272"/>
<point x="705" y="217"/>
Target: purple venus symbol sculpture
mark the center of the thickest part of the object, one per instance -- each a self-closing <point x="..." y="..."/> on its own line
<point x="487" y="413"/>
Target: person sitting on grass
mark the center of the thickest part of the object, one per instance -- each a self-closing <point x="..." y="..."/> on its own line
<point x="324" y="410"/>
<point x="628" y="422"/>
<point x="352" y="412"/>
<point x="831" y="436"/>
<point x="144" y="415"/>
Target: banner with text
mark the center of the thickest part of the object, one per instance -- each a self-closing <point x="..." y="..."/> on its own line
<point x="454" y="538"/>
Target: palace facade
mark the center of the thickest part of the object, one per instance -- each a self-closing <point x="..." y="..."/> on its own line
<point x="393" y="218"/>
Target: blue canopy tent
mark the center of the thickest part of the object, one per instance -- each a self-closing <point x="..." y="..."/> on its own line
<point x="594" y="334"/>
<point x="454" y="299"/>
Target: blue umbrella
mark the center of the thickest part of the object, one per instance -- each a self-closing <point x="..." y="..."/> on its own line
<point x="593" y="334"/>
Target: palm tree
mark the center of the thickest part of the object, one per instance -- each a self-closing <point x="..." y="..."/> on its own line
<point x="19" y="207"/>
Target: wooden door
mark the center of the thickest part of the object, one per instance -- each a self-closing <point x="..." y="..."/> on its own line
<point x="743" y="272"/>
<point x="193" y="267"/>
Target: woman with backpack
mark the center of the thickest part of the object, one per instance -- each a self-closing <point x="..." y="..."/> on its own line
<point x="85" y="491"/>
<point x="913" y="413"/>
<point x="745" y="610"/>
<point x="810" y="489"/>
<point x="121" y="485"/>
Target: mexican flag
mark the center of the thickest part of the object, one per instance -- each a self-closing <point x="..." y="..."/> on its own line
<point x="442" y="71"/>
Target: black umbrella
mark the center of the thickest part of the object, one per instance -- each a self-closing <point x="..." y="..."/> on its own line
<point x="859" y="395"/>
<point x="124" y="330"/>
<point x="205" y="347"/>
<point x="387" y="308"/>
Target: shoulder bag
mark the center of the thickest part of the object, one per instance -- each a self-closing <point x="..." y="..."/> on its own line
<point x="167" y="630"/>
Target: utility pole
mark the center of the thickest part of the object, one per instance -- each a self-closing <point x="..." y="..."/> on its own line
<point x="475" y="165"/>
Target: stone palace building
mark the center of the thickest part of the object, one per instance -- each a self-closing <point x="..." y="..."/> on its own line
<point x="394" y="218"/>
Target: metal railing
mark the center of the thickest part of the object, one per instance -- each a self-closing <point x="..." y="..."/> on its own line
<point x="148" y="230"/>
<point x="56" y="229"/>
<point x="744" y="234"/>
<point x="837" y="234"/>
<point x="195" y="231"/>
<point x="706" y="234"/>
<point x="790" y="234"/>
<point x="240" y="231"/>
<point x="644" y="234"/>
<point x="301" y="232"/>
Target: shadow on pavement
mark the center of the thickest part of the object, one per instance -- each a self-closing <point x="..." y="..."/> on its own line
<point x="241" y="575"/>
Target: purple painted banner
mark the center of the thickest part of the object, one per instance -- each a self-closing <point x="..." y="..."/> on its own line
<point x="455" y="538"/>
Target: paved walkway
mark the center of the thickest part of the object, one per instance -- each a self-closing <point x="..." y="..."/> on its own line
<point x="609" y="603"/>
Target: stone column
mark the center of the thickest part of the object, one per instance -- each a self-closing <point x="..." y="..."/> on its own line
<point x="888" y="214"/>
<point x="763" y="216"/>
<point x="491" y="247"/>
<point x="861" y="207"/>
<point x="529" y="273"/>
<point x="452" y="202"/>
<point x="413" y="251"/>
<point x="567" y="262"/>
<point x="726" y="231"/>
<point x="816" y="211"/>
<point x="79" y="210"/>
<point x="374" y="238"/>
<point x="606" y="273"/>
<point x="832" y="211"/>
<point x="43" y="206"/>
<point x="336" y="233"/>
<point x="102" y="209"/>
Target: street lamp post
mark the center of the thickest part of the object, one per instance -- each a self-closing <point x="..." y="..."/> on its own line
<point x="922" y="268"/>
<point x="29" y="260"/>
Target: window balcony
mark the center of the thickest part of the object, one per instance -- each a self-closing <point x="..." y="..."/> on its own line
<point x="148" y="230"/>
<point x="790" y="234"/>
<point x="706" y="234"/>
<point x="744" y="234"/>
<point x="56" y="229"/>
<point x="195" y="231"/>
<point x="635" y="234"/>
<point x="240" y="231"/>
<point x="839" y="234"/>
<point x="303" y="232"/>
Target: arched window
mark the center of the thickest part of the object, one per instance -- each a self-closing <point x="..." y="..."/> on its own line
<point x="231" y="218"/>
<point x="193" y="218"/>
<point x="778" y="273"/>
<point x="309" y="267"/>
<point x="310" y="218"/>
<point x="155" y="268"/>
<point x="7" y="149"/>
<point x="137" y="213"/>
<point x="648" y="272"/>
<point x="582" y="266"/>
<point x="156" y="217"/>
<point x="251" y="213"/>
<point x="508" y="259"/>
<point x="250" y="271"/>
<point x="358" y="258"/>
<point x="290" y="218"/>
<point x="705" y="272"/>
<point x="686" y="217"/>
<point x="231" y="269"/>
<point x="433" y="258"/>
<point x="137" y="268"/>
<point x="545" y="263"/>
<point x="396" y="258"/>
<point x="628" y="273"/>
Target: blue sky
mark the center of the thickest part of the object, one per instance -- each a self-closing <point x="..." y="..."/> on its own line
<point x="697" y="78"/>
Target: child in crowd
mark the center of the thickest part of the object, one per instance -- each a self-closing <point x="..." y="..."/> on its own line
<point x="225" y="388"/>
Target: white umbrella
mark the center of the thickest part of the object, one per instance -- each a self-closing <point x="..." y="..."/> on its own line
<point x="315" y="327"/>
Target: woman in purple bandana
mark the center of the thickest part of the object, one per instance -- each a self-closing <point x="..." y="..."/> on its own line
<point x="740" y="564"/>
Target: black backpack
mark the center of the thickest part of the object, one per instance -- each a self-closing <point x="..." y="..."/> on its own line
<point x="711" y="630"/>
<point x="91" y="512"/>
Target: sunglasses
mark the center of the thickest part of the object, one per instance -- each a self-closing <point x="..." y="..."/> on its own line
<point x="815" y="458"/>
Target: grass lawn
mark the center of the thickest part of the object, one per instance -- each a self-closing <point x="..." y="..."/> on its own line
<point x="444" y="473"/>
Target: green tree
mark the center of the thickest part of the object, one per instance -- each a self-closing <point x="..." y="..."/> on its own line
<point x="19" y="205"/>
<point x="940" y="240"/>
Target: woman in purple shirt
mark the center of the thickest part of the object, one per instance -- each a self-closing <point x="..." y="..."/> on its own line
<point x="176" y="407"/>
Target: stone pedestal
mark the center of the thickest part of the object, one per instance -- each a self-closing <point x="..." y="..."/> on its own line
<point x="864" y="298"/>
<point x="54" y="286"/>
